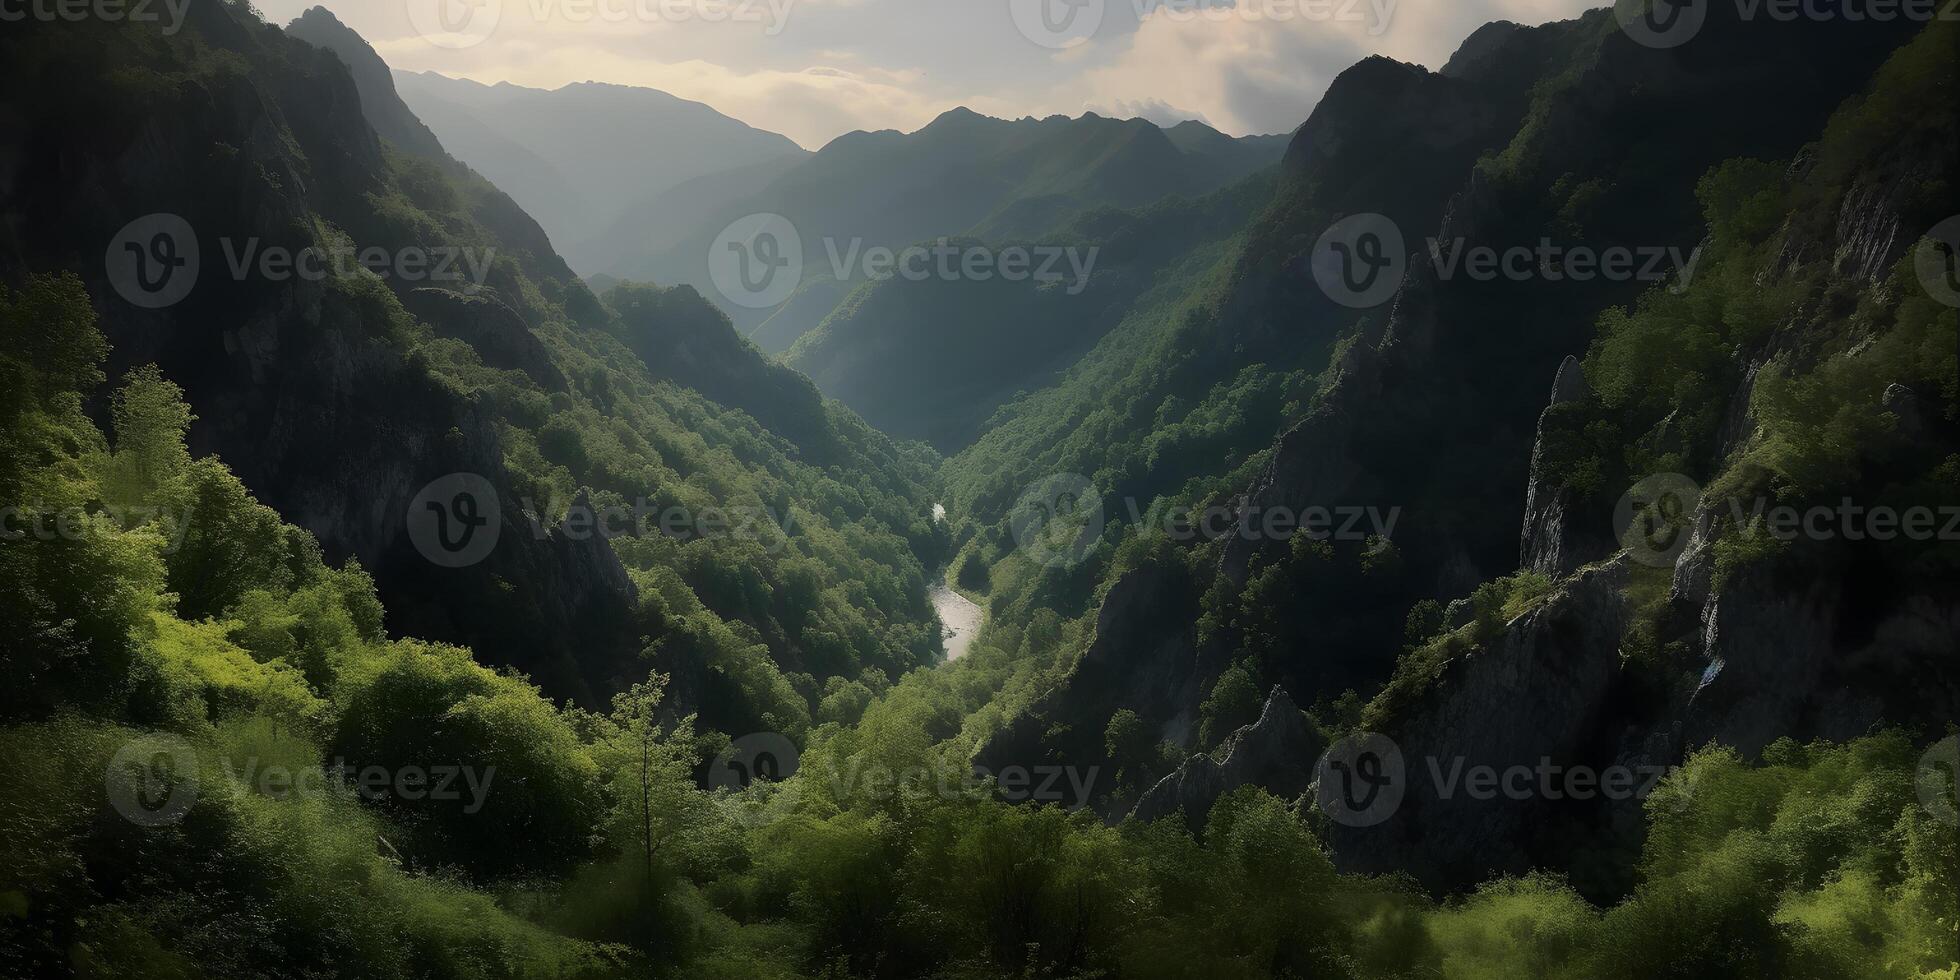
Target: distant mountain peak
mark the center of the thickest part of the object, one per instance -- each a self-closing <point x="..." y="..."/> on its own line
<point x="380" y="101"/>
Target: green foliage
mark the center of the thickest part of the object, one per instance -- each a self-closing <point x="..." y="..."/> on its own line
<point x="518" y="773"/>
<point x="1232" y="704"/>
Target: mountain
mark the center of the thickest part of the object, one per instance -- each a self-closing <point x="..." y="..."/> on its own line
<point x="581" y="156"/>
<point x="964" y="175"/>
<point x="934" y="358"/>
<point x="1350" y="611"/>
<point x="1265" y="397"/>
<point x="380" y="103"/>
<point x="338" y="397"/>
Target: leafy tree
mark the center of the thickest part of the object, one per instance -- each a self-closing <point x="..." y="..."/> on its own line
<point x="1232" y="704"/>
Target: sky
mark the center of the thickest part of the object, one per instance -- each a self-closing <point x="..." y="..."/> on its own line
<point x="816" y="69"/>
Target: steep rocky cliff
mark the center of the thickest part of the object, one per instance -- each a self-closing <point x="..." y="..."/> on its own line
<point x="1792" y="609"/>
<point x="1436" y="403"/>
<point x="1536" y="696"/>
<point x="1275" y="753"/>
<point x="363" y="316"/>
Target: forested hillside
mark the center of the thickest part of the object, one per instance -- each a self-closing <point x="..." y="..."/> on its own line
<point x="593" y="163"/>
<point x="369" y="620"/>
<point x="340" y="398"/>
<point x="1004" y="182"/>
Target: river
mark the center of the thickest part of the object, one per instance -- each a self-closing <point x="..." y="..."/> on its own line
<point x="961" y="616"/>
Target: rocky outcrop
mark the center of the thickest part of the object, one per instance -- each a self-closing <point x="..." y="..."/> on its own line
<point x="383" y="107"/>
<point x="1535" y="697"/>
<point x="304" y="387"/>
<point x="1554" y="543"/>
<point x="1143" y="657"/>
<point x="1808" y="655"/>
<point x="1275" y="753"/>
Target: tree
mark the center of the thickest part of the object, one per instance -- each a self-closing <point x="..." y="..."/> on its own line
<point x="658" y="804"/>
<point x="1232" y="704"/>
<point x="151" y="421"/>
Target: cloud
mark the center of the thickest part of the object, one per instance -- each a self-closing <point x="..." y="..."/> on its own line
<point x="1250" y="66"/>
<point x="1262" y="65"/>
<point x="811" y="106"/>
<point x="1156" y="111"/>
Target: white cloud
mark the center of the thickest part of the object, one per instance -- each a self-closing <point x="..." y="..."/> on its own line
<point x="1262" y="66"/>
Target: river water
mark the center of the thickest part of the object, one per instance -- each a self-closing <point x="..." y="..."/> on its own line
<point x="961" y="616"/>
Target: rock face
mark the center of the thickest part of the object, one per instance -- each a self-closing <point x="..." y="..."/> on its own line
<point x="307" y="389"/>
<point x="383" y="107"/>
<point x="1536" y="694"/>
<point x="1434" y="404"/>
<point x="1807" y="654"/>
<point x="1143" y="657"/>
<point x="1555" y="543"/>
<point x="1275" y="753"/>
